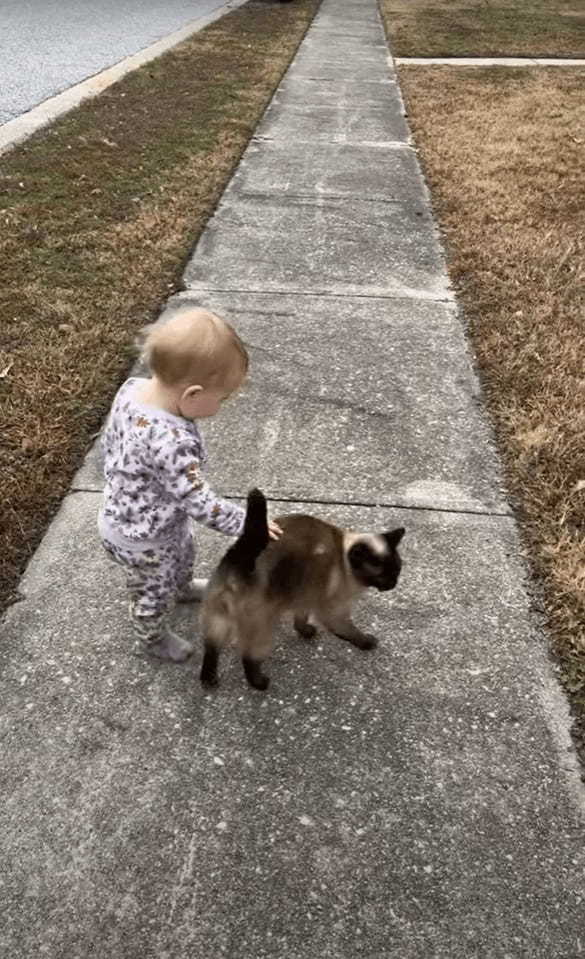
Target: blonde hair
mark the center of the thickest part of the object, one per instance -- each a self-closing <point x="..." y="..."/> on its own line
<point x="196" y="347"/>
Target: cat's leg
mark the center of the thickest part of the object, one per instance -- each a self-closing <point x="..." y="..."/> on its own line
<point x="304" y="627"/>
<point x="256" y="645"/>
<point x="208" y="674"/>
<point x="253" y="673"/>
<point x="216" y="632"/>
<point x="339" y="622"/>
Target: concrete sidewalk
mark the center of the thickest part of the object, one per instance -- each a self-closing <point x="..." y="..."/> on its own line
<point x="419" y="801"/>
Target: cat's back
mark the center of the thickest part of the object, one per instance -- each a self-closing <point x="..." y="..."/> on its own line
<point x="304" y="557"/>
<point x="309" y="536"/>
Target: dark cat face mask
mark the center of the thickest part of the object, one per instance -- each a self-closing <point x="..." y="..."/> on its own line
<point x="375" y="560"/>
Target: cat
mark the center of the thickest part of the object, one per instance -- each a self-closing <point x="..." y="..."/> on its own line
<point x="315" y="570"/>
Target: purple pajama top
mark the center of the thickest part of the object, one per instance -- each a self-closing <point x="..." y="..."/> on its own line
<point x="154" y="464"/>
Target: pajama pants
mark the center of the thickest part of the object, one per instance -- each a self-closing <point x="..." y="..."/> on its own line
<point x="156" y="573"/>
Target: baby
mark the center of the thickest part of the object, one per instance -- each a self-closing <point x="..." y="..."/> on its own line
<point x="154" y="460"/>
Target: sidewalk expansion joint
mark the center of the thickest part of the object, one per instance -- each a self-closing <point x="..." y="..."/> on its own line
<point x="316" y="28"/>
<point x="397" y="145"/>
<point x="368" y="504"/>
<point x="379" y="80"/>
<point x="422" y="295"/>
<point x="316" y="195"/>
<point x="370" y="144"/>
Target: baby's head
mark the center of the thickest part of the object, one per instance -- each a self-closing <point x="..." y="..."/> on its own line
<point x="198" y="359"/>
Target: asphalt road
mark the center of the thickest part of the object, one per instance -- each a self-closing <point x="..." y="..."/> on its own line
<point x="47" y="46"/>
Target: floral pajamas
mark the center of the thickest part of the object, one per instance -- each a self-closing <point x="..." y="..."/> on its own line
<point x="156" y="575"/>
<point x="154" y="488"/>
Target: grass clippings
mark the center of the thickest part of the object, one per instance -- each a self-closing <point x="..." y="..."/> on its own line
<point x="486" y="28"/>
<point x="97" y="217"/>
<point x="504" y="154"/>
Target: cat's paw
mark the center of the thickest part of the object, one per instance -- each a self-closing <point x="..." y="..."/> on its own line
<point x="305" y="629"/>
<point x="209" y="680"/>
<point x="253" y="673"/>
<point x="260" y="682"/>
<point x="366" y="641"/>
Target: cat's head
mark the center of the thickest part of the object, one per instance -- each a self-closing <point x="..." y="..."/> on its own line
<point x="374" y="560"/>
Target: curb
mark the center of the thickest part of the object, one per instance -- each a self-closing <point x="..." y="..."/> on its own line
<point x="20" y="128"/>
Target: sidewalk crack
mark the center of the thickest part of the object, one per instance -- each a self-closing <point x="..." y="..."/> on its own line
<point x="413" y="507"/>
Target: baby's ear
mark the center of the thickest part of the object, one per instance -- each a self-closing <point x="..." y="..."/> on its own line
<point x="191" y="391"/>
<point x="394" y="536"/>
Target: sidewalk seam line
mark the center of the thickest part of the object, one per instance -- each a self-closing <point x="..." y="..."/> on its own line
<point x="311" y="196"/>
<point x="392" y="145"/>
<point x="430" y="298"/>
<point x="364" y="505"/>
<point x="349" y="503"/>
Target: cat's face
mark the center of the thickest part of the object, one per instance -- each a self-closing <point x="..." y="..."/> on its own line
<point x="375" y="560"/>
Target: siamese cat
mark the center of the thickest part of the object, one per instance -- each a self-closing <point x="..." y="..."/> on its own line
<point x="315" y="570"/>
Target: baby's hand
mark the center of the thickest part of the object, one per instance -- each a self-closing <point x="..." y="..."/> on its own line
<point x="274" y="530"/>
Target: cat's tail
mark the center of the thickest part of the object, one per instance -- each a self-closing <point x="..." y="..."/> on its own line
<point x="254" y="537"/>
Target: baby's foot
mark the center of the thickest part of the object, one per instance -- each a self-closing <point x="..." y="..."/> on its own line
<point x="158" y="640"/>
<point x="193" y="592"/>
<point x="170" y="647"/>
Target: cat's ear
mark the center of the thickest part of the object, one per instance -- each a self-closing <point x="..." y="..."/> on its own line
<point x="394" y="536"/>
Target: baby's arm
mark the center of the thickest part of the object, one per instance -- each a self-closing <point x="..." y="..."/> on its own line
<point x="180" y="472"/>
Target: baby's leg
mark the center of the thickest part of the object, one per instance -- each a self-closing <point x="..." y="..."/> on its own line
<point x="151" y="581"/>
<point x="159" y="595"/>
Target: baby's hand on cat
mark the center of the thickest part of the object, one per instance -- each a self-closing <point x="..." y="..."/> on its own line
<point x="274" y="530"/>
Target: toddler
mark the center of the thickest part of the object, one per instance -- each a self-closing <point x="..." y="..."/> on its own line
<point x="154" y="462"/>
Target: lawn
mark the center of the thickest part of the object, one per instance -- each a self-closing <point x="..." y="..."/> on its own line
<point x="98" y="215"/>
<point x="504" y="153"/>
<point x="487" y="28"/>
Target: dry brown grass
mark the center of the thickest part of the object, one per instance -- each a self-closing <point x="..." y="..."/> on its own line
<point x="504" y="153"/>
<point x="457" y="28"/>
<point x="97" y="217"/>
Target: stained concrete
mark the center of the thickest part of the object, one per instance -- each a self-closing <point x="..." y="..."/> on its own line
<point x="329" y="169"/>
<point x="341" y="62"/>
<point x="313" y="110"/>
<point x="422" y="800"/>
<point x="352" y="399"/>
<point x="344" y="29"/>
<point x="345" y="246"/>
<point x="341" y="95"/>
<point x="347" y="17"/>
<point x="303" y="122"/>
